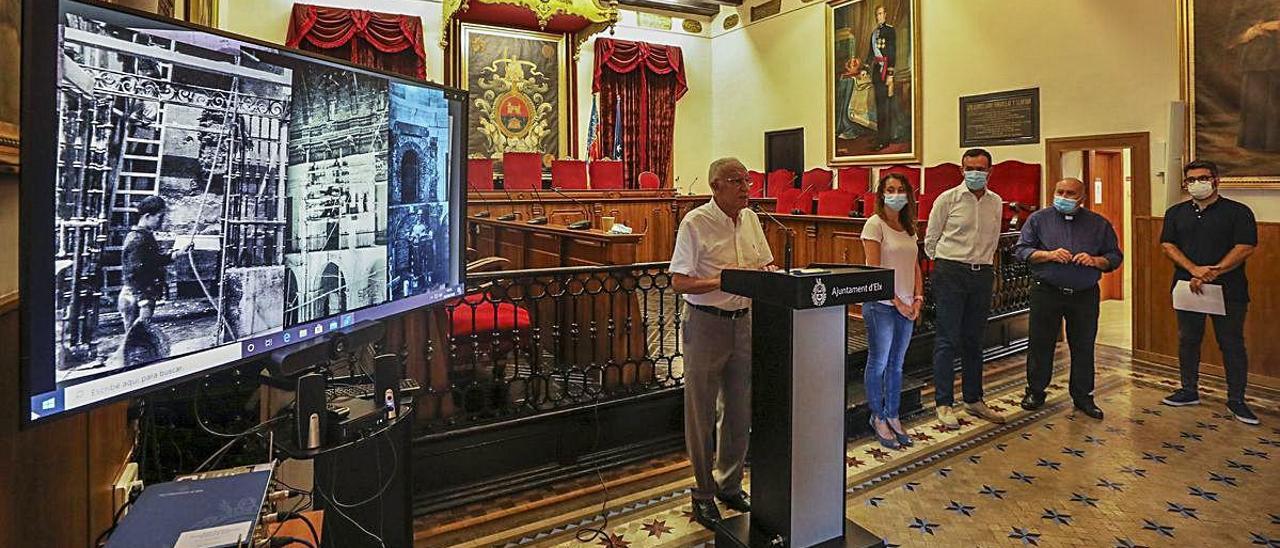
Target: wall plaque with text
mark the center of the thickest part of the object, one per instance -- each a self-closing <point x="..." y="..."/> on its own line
<point x="1002" y="118"/>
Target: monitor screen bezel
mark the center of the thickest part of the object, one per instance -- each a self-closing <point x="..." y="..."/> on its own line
<point x="38" y="100"/>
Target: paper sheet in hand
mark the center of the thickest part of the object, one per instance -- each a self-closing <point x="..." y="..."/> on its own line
<point x="1210" y="302"/>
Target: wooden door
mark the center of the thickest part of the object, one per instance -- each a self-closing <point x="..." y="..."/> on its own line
<point x="1104" y="175"/>
<point x="785" y="150"/>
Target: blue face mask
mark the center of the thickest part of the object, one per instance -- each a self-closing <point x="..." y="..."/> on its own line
<point x="975" y="180"/>
<point x="1065" y="205"/>
<point x="895" y="201"/>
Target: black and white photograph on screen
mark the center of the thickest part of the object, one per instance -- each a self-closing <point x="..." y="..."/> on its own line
<point x="170" y="179"/>
<point x="337" y="194"/>
<point x="418" y="231"/>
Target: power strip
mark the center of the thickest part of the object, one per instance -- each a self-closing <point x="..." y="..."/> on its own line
<point x="125" y="483"/>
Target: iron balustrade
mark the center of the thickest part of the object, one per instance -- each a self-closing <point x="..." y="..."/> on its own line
<point x="592" y="334"/>
<point x="1011" y="294"/>
<point x="583" y="335"/>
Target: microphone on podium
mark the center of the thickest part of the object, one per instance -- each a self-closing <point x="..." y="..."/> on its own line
<point x="685" y="191"/>
<point x="576" y="225"/>
<point x="512" y="215"/>
<point x="482" y="213"/>
<point x="797" y="210"/>
<point x="539" y="219"/>
<point x="789" y="241"/>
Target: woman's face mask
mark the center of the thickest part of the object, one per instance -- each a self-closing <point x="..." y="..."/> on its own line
<point x="895" y="201"/>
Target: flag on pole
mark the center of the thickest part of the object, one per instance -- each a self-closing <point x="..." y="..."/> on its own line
<point x="617" y="128"/>
<point x="593" y="130"/>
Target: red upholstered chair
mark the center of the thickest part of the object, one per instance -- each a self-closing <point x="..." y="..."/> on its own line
<point x="757" y="184"/>
<point x="649" y="180"/>
<point x="804" y="201"/>
<point x="480" y="173"/>
<point x="868" y="204"/>
<point x="483" y="327"/>
<point x="521" y="170"/>
<point x="569" y="174"/>
<point x="926" y="203"/>
<point x="941" y="177"/>
<point x="606" y="174"/>
<point x="480" y="314"/>
<point x="937" y="179"/>
<point x="1016" y="182"/>
<point x="854" y="180"/>
<point x="835" y="203"/>
<point x="777" y="181"/>
<point x="788" y="200"/>
<point x="911" y="173"/>
<point x="816" y="180"/>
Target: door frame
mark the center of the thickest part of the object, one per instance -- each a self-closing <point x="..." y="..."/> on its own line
<point x="777" y="132"/>
<point x="1139" y="145"/>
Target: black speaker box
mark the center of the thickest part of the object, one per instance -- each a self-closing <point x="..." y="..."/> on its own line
<point x="365" y="490"/>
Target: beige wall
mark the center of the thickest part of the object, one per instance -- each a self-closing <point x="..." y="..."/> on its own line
<point x="1102" y="67"/>
<point x="269" y="20"/>
<point x="692" y="151"/>
<point x="770" y="76"/>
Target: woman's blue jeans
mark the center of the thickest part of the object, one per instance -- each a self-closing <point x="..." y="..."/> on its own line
<point x="888" y="335"/>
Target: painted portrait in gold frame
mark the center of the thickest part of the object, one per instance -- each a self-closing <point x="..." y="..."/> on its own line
<point x="873" y="82"/>
<point x="1231" y="83"/>
<point x="520" y="93"/>
<point x="10" y="64"/>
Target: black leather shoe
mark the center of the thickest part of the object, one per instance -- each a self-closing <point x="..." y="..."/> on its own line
<point x="738" y="501"/>
<point x="1031" y="402"/>
<point x="706" y="513"/>
<point x="1090" y="409"/>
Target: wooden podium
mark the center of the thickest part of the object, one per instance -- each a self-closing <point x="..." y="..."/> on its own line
<point x="798" y="340"/>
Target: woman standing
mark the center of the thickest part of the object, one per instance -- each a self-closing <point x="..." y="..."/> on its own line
<point x="889" y="241"/>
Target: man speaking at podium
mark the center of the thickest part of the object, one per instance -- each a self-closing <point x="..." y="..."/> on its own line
<point x="717" y="337"/>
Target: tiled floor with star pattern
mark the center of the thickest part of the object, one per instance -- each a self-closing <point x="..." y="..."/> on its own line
<point x="1147" y="475"/>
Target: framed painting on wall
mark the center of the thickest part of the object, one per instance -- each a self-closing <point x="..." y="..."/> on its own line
<point x="1231" y="82"/>
<point x="873" y="82"/>
<point x="520" y="93"/>
<point x="10" y="64"/>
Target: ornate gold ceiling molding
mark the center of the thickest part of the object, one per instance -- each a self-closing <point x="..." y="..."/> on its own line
<point x="598" y="16"/>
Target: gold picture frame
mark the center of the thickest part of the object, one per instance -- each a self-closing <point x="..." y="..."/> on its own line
<point x="1202" y="110"/>
<point x="847" y="139"/>
<point x="9" y="141"/>
<point x="11" y="63"/>
<point x="477" y="69"/>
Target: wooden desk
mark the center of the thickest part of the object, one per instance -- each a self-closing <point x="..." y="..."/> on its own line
<point x="550" y="245"/>
<point x="819" y="238"/>
<point x="654" y="214"/>
<point x="576" y="326"/>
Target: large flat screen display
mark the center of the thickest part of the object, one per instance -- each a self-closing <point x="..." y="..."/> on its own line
<point x="196" y="199"/>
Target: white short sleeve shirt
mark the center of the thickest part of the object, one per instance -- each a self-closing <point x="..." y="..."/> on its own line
<point x="708" y="241"/>
<point x="898" y="251"/>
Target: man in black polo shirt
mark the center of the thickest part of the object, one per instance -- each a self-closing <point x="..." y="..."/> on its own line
<point x="1208" y="239"/>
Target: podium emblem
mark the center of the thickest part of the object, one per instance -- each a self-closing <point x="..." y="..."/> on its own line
<point x="819" y="293"/>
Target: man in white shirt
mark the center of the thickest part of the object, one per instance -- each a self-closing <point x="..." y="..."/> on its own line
<point x="717" y="337"/>
<point x="963" y="231"/>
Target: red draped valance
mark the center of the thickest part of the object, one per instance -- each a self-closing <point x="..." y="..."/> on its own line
<point x="624" y="56"/>
<point x="638" y="86"/>
<point x="365" y="33"/>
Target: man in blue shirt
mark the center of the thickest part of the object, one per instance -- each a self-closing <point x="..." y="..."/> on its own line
<point x="1069" y="247"/>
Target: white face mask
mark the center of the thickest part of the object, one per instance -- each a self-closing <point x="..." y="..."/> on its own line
<point x="1200" y="189"/>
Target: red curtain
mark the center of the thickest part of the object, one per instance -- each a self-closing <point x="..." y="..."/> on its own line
<point x="642" y="82"/>
<point x="386" y="41"/>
